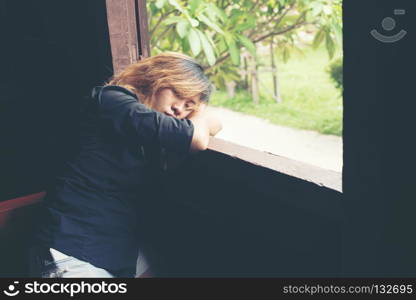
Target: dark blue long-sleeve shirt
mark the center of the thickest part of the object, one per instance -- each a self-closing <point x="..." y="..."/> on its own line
<point x="92" y="209"/>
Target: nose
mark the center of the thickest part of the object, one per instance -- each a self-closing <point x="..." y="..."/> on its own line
<point x="177" y="109"/>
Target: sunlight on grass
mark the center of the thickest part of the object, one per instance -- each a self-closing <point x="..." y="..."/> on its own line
<point x="310" y="99"/>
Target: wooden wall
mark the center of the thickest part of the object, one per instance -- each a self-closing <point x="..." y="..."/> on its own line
<point x="220" y="216"/>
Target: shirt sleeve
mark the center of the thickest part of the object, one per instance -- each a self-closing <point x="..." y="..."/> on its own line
<point x="131" y="119"/>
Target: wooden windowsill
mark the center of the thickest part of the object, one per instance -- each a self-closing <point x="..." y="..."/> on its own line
<point x="322" y="177"/>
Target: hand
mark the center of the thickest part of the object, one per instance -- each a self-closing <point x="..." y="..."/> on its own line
<point x="213" y="123"/>
<point x="199" y="111"/>
<point x="205" y="125"/>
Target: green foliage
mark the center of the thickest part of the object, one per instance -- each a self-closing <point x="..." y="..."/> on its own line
<point x="194" y="41"/>
<point x="225" y="28"/>
<point x="232" y="47"/>
<point x="223" y="73"/>
<point x="247" y="43"/>
<point x="336" y="72"/>
<point x="188" y="28"/>
<point x="330" y="31"/>
<point x="207" y="47"/>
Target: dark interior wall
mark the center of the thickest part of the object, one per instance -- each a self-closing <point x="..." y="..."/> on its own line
<point x="220" y="216"/>
<point x="379" y="148"/>
<point x="52" y="53"/>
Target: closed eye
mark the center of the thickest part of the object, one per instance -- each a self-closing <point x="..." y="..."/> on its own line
<point x="190" y="105"/>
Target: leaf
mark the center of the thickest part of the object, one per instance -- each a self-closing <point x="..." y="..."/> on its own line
<point x="153" y="9"/>
<point x="214" y="46"/>
<point x="233" y="75"/>
<point x="170" y="39"/>
<point x="236" y="12"/>
<point x="221" y="44"/>
<point x="213" y="10"/>
<point x="235" y="16"/>
<point x="232" y="48"/>
<point x="248" y="44"/>
<point x="219" y="82"/>
<point x="286" y="54"/>
<point x="193" y="21"/>
<point x="317" y="9"/>
<point x="246" y="24"/>
<point x="160" y="3"/>
<point x="185" y="45"/>
<point x="175" y="4"/>
<point x="319" y="37"/>
<point x="337" y="31"/>
<point x="182" y="28"/>
<point x="194" y="5"/>
<point x="209" y="23"/>
<point x="206" y="46"/>
<point x="330" y="45"/>
<point x="172" y="20"/>
<point x="194" y="41"/>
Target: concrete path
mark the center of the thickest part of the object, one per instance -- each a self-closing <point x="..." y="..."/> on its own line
<point x="324" y="151"/>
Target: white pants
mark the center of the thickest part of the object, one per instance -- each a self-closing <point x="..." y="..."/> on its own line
<point x="55" y="264"/>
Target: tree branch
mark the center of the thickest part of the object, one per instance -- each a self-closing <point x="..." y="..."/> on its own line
<point x="219" y="61"/>
<point x="273" y="19"/>
<point x="287" y="29"/>
<point x="225" y="5"/>
<point x="299" y="22"/>
<point x="254" y="6"/>
<point x="284" y="14"/>
<point x="162" y="34"/>
<point x="163" y="16"/>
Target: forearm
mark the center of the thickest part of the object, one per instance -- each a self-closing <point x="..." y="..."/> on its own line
<point x="205" y="125"/>
<point x="201" y="134"/>
<point x="214" y="126"/>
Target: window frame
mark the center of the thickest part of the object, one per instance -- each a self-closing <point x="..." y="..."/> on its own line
<point x="129" y="38"/>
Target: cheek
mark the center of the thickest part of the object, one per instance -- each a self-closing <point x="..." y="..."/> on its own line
<point x="185" y="114"/>
<point x="161" y="105"/>
<point x="163" y="101"/>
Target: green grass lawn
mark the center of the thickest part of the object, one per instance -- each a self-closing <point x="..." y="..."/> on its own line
<point x="310" y="99"/>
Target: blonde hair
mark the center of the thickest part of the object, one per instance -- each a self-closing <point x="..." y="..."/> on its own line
<point x="179" y="72"/>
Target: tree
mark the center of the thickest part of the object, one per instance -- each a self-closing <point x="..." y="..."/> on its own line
<point x="216" y="31"/>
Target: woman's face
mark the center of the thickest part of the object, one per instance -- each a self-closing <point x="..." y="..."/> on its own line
<point x="165" y="101"/>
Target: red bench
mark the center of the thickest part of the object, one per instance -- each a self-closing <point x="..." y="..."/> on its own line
<point x="17" y="217"/>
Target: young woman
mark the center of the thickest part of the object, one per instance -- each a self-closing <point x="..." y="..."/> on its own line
<point x="91" y="223"/>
